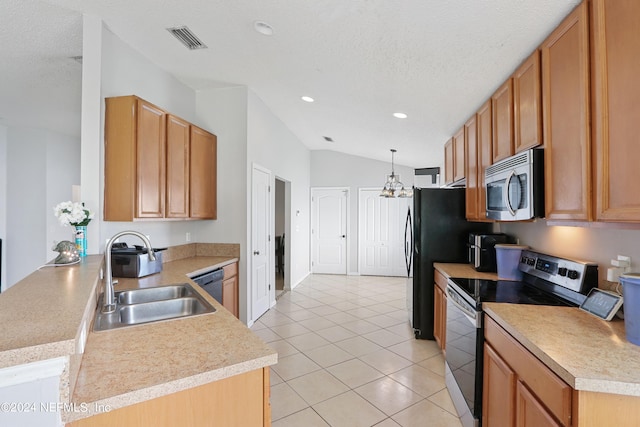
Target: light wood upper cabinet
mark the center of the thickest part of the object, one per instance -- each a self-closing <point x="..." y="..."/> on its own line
<point x="458" y="155"/>
<point x="134" y="159"/>
<point x="485" y="136"/>
<point x="150" y="159"/>
<point x="566" y="115"/>
<point x="448" y="162"/>
<point x="177" y="168"/>
<point x="203" y="174"/>
<point x="616" y="108"/>
<point x="502" y="114"/>
<point x="156" y="165"/>
<point x="527" y="107"/>
<point x="471" y="172"/>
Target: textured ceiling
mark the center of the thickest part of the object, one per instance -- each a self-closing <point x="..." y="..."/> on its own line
<point x="361" y="60"/>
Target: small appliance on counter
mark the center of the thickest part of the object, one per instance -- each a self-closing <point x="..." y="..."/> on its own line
<point x="482" y="252"/>
<point x="134" y="262"/>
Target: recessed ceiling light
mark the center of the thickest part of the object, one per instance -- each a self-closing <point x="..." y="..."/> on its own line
<point x="307" y="99"/>
<point x="263" y="28"/>
<point x="400" y="115"/>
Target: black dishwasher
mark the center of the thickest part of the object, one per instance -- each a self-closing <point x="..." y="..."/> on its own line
<point x="211" y="282"/>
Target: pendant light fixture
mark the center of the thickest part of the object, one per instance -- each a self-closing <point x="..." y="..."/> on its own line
<point x="394" y="187"/>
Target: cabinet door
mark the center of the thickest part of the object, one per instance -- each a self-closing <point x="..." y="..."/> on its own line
<point x="499" y="391"/>
<point x="565" y="106"/>
<point x="177" y="168"/>
<point x="448" y="162"/>
<point x="439" y="316"/>
<point x="230" y="295"/>
<point x="150" y="160"/>
<point x="616" y="103"/>
<point x="485" y="158"/>
<point x="458" y="155"/>
<point x="502" y="109"/>
<point x="120" y="202"/>
<point x="530" y="412"/>
<point x="471" y="172"/>
<point x="203" y="173"/>
<point x="527" y="109"/>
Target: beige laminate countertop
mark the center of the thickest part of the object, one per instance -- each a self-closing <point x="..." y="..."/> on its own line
<point x="42" y="314"/>
<point x="587" y="353"/>
<point x="130" y="365"/>
<point x="50" y="312"/>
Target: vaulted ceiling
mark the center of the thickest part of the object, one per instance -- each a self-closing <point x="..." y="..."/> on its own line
<point x="361" y="60"/>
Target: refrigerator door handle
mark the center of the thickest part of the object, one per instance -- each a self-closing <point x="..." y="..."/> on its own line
<point x="408" y="242"/>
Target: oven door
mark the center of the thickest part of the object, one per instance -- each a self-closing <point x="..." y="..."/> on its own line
<point x="464" y="357"/>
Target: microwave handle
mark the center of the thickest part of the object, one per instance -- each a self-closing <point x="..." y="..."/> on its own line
<point x="505" y="194"/>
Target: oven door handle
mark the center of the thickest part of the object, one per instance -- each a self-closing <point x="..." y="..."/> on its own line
<point x="471" y="315"/>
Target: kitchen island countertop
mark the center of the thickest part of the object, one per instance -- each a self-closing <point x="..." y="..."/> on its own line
<point x="128" y="365"/>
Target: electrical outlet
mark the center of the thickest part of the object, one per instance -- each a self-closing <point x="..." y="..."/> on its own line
<point x="187" y="236"/>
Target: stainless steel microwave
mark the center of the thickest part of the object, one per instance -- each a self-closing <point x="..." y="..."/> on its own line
<point x="515" y="187"/>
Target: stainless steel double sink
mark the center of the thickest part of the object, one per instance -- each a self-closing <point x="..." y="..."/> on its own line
<point x="146" y="305"/>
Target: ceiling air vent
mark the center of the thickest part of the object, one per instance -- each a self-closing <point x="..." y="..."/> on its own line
<point x="187" y="38"/>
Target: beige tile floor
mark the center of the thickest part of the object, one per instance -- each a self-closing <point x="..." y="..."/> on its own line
<point x="347" y="357"/>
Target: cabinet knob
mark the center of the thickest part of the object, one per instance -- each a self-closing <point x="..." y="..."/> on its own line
<point x="256" y="252"/>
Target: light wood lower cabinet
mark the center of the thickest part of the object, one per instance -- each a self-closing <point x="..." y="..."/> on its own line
<point x="440" y="310"/>
<point x="230" y="288"/>
<point x="238" y="401"/>
<point x="516" y="382"/>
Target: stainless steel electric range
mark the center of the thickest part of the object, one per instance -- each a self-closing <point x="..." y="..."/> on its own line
<point x="547" y="280"/>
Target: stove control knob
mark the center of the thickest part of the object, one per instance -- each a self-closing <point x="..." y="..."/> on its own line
<point x="562" y="271"/>
<point x="572" y="274"/>
<point x="531" y="261"/>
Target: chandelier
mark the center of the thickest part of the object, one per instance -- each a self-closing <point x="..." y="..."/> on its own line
<point x="394" y="187"/>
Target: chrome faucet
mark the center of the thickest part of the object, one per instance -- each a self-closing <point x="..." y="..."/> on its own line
<point x="109" y="301"/>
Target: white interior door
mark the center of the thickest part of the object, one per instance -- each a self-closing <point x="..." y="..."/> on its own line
<point x="381" y="236"/>
<point x="329" y="230"/>
<point x="261" y="292"/>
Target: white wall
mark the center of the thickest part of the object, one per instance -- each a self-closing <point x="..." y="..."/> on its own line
<point x="124" y="71"/>
<point x="3" y="203"/>
<point x="598" y="245"/>
<point x="333" y="169"/>
<point x="41" y="167"/>
<point x="224" y="112"/>
<point x="272" y="145"/>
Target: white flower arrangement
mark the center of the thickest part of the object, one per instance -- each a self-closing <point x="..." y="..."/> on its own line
<point x="72" y="213"/>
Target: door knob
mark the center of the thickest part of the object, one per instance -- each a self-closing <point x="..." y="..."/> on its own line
<point x="256" y="252"/>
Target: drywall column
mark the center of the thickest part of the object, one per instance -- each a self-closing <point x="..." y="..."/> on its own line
<point x="90" y="141"/>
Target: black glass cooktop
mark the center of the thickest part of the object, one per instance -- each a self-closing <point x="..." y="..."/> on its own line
<point x="481" y="290"/>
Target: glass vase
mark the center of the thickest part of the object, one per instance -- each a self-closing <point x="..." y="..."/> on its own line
<point x="81" y="240"/>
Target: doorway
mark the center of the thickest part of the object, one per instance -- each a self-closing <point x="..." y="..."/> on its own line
<point x="329" y="230"/>
<point x="282" y="208"/>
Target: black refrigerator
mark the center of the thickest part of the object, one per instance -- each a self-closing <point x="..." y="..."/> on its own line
<point x="438" y="232"/>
